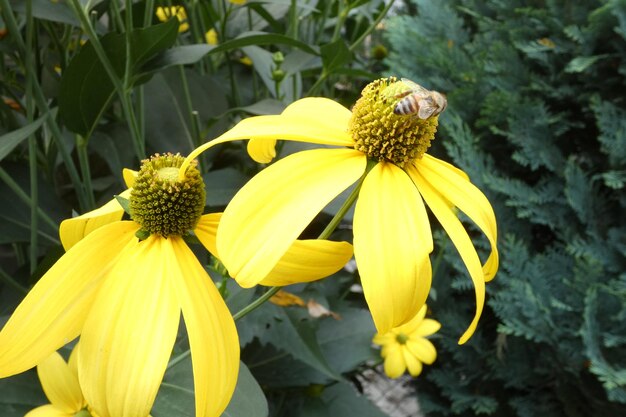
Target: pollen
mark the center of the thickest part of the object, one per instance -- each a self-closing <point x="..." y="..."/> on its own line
<point x="402" y="338"/>
<point x="383" y="135"/>
<point x="162" y="204"/>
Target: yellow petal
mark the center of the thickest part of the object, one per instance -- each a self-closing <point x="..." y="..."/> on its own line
<point x="60" y="384"/>
<point x="313" y="119"/>
<point x="427" y="327"/>
<point x="422" y="349"/>
<point x="285" y="299"/>
<point x="410" y="326"/>
<point x="48" y="410"/>
<point x="455" y="187"/>
<point x="212" y="334"/>
<point x="384" y="339"/>
<point x="304" y="261"/>
<point x="53" y="312"/>
<point x="309" y="260"/>
<point x="74" y="229"/>
<point x="206" y="231"/>
<point x="392" y="240"/>
<point x="460" y="239"/>
<point x="129" y="177"/>
<point x="412" y="363"/>
<point x="130" y="331"/>
<point x="321" y="111"/>
<point x="323" y="121"/>
<point x="262" y="150"/>
<point x="267" y="215"/>
<point x="394" y="365"/>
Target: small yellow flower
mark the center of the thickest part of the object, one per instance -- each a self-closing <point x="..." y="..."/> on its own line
<point x="406" y="347"/>
<point x="237" y="2"/>
<point x="384" y="151"/>
<point x="211" y="37"/>
<point x="59" y="381"/>
<point x="165" y="13"/>
<point x="246" y="61"/>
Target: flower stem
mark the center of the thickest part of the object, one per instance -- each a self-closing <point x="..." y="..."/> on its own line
<point x="15" y="187"/>
<point x="42" y="104"/>
<point x="371" y="28"/>
<point x="8" y="279"/>
<point x="256" y="303"/>
<point x="332" y="225"/>
<point x="32" y="142"/>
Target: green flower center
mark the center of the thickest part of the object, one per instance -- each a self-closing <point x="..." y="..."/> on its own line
<point x="383" y="135"/>
<point x="402" y="338"/>
<point x="162" y="204"/>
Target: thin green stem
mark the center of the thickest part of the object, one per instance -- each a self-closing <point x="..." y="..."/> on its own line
<point x="178" y="359"/>
<point x="15" y="187"/>
<point x="372" y="27"/>
<point x="341" y="20"/>
<point x="83" y="162"/>
<point x="313" y="90"/>
<point x="195" y="133"/>
<point x="32" y="142"/>
<point x="42" y="104"/>
<point x="332" y="225"/>
<point x="8" y="279"/>
<point x="148" y="13"/>
<point x="256" y="303"/>
<point x="123" y="90"/>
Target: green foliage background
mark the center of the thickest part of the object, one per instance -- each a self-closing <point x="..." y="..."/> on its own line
<point x="537" y="118"/>
<point x="91" y="87"/>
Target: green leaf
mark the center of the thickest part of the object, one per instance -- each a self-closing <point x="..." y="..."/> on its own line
<point x="20" y="394"/>
<point x="262" y="38"/>
<point x="86" y="88"/>
<point x="179" y="55"/>
<point x="335" y="55"/>
<point x="340" y="399"/>
<point x="10" y="140"/>
<point x="291" y="330"/>
<point x="223" y="184"/>
<point x="176" y="395"/>
<point x="264" y="107"/>
<point x="48" y="10"/>
<point x="581" y="63"/>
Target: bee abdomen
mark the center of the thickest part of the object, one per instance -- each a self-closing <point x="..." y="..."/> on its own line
<point x="407" y="105"/>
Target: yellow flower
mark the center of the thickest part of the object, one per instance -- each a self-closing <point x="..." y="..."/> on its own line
<point x="246" y="61"/>
<point x="238" y="2"/>
<point x="165" y="13"/>
<point x="392" y="236"/>
<point x="406" y="347"/>
<point x="124" y="296"/>
<point x="59" y="381"/>
<point x="211" y="37"/>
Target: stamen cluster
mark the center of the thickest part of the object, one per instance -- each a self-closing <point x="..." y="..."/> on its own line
<point x="383" y="135"/>
<point x="161" y="203"/>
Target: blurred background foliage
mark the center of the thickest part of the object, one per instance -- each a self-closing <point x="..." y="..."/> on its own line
<point x="536" y="117"/>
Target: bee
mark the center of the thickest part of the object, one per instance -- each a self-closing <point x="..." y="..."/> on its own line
<point x="419" y="101"/>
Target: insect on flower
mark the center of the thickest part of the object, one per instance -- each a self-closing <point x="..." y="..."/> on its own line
<point x="419" y="101"/>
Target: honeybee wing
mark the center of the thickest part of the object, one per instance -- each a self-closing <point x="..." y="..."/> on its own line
<point x="415" y="87"/>
<point x="427" y="108"/>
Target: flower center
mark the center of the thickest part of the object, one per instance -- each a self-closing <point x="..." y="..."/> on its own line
<point x="162" y="204"/>
<point x="383" y="135"/>
<point x="402" y="338"/>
